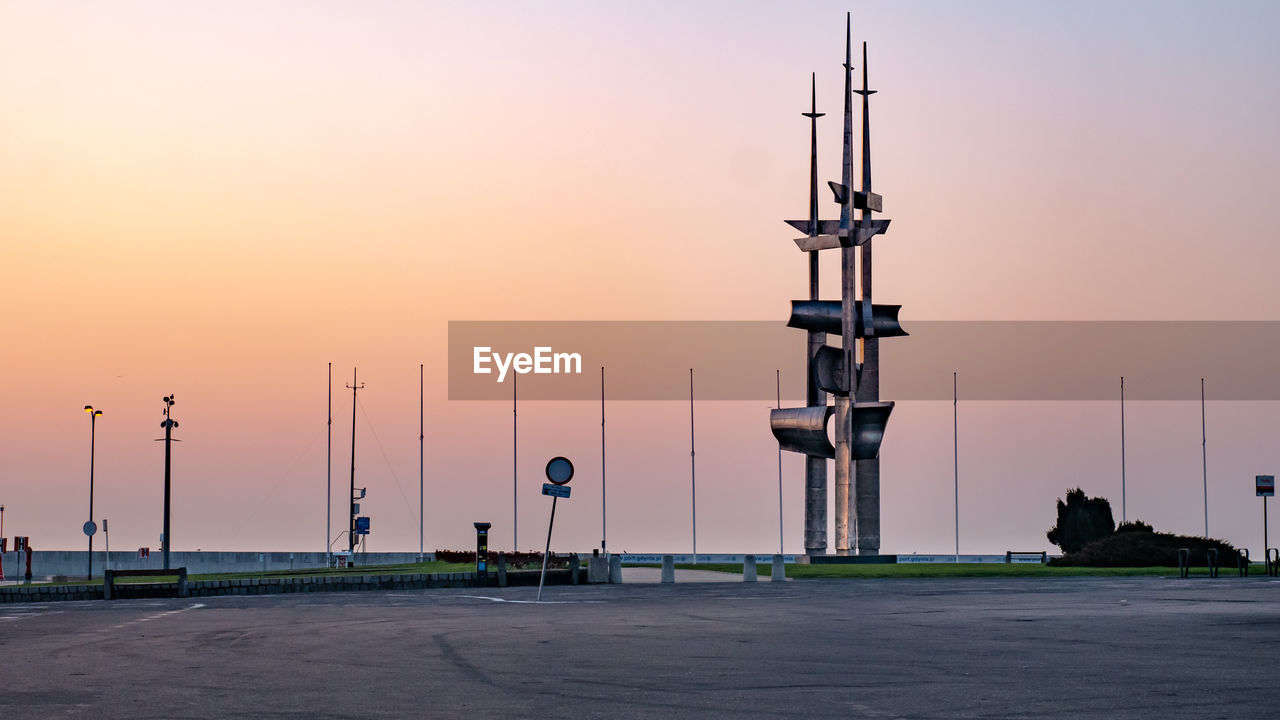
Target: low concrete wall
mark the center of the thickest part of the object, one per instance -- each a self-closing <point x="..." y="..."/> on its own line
<point x="74" y="563"/>
<point x="687" y="559"/>
<point x="277" y="585"/>
<point x="1020" y="558"/>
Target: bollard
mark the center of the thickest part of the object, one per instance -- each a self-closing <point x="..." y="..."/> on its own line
<point x="779" y="573"/>
<point x="1242" y="562"/>
<point x="1273" y="560"/>
<point x="575" y="566"/>
<point x="502" y="570"/>
<point x="668" y="569"/>
<point x="108" y="578"/>
<point x="598" y="569"/>
<point x="749" y="568"/>
<point x="1184" y="562"/>
<point x="615" y="569"/>
<point x="1212" y="561"/>
<point x="182" y="582"/>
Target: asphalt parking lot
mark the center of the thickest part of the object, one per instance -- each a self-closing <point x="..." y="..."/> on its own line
<point x="941" y="648"/>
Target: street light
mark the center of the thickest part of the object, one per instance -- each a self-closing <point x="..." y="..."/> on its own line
<point x="168" y="424"/>
<point x="89" y="527"/>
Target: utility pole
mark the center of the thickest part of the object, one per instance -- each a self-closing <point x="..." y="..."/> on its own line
<point x="355" y="387"/>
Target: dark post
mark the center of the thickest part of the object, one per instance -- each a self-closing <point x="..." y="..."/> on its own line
<point x="351" y="497"/>
<point x="422" y="498"/>
<point x="328" y="479"/>
<point x="515" y="496"/>
<point x="693" y="477"/>
<point x="93" y="427"/>
<point x="604" y="526"/>
<point x="169" y="424"/>
<point x="482" y="551"/>
<point x="547" y="552"/>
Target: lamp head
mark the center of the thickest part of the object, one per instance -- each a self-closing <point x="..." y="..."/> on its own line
<point x="88" y="408"/>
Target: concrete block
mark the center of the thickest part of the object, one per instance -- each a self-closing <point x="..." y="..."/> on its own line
<point x="615" y="569"/>
<point x="779" y="571"/>
<point x="668" y="569"/>
<point x="598" y="569"/>
<point x="749" y="568"/>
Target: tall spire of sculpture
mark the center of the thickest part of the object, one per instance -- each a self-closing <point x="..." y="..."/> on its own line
<point x="846" y="162"/>
<point x="866" y="483"/>
<point x="813" y="116"/>
<point x="848" y="319"/>
<point x="866" y="124"/>
<point x="815" y="466"/>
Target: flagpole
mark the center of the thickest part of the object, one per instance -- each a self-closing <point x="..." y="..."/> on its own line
<point x="955" y="433"/>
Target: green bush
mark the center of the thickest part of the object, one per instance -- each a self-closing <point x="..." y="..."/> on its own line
<point x="1136" y="548"/>
<point x="1081" y="520"/>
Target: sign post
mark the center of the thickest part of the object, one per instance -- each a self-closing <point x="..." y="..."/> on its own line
<point x="559" y="472"/>
<point x="90" y="529"/>
<point x="1265" y="488"/>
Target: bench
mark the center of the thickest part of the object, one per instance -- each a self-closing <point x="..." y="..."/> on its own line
<point x="108" y="579"/>
<point x="1044" y="556"/>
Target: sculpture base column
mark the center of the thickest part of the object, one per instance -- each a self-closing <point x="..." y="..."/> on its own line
<point x="866" y="499"/>
<point x="843" y="468"/>
<point x="815" y="505"/>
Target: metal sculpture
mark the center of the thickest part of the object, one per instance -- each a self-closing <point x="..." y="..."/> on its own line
<point x="850" y="373"/>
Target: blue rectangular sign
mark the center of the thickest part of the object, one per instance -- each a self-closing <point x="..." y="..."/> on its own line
<point x="362" y="526"/>
<point x="555" y="490"/>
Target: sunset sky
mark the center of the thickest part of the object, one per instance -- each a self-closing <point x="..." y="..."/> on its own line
<point x="216" y="200"/>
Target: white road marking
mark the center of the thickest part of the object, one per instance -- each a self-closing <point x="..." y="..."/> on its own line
<point x="520" y="602"/>
<point x="21" y="615"/>
<point x="157" y="616"/>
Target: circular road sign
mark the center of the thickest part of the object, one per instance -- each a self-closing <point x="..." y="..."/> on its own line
<point x="90" y="527"/>
<point x="559" y="470"/>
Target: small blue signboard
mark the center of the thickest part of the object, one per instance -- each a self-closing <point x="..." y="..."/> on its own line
<point x="1266" y="487"/>
<point x="560" y="491"/>
<point x="362" y="526"/>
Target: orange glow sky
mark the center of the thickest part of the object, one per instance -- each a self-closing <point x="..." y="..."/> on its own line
<point x="217" y="199"/>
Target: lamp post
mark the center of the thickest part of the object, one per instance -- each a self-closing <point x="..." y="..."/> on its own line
<point x="89" y="526"/>
<point x="168" y="424"/>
